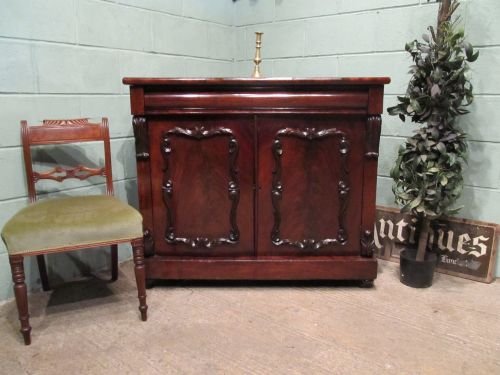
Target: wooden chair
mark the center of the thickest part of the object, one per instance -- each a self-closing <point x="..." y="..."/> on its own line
<point x="63" y="224"/>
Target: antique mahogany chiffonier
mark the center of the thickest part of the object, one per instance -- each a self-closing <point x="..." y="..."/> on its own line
<point x="258" y="178"/>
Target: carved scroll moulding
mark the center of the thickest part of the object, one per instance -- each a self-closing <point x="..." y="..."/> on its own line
<point x="309" y="134"/>
<point x="200" y="133"/>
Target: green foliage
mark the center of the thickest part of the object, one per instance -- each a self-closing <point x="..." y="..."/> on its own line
<point x="428" y="171"/>
<point x="439" y="88"/>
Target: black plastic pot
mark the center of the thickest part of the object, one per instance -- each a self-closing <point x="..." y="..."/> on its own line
<point x="416" y="274"/>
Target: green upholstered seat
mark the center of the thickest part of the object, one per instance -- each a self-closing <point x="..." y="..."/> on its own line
<point x="70" y="221"/>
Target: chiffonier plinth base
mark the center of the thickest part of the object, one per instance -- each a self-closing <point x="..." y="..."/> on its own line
<point x="264" y="268"/>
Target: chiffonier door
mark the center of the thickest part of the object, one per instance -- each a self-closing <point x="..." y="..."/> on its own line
<point x="310" y="183"/>
<point x="203" y="192"/>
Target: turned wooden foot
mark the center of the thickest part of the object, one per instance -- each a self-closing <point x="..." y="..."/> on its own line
<point x="114" y="262"/>
<point x="366" y="283"/>
<point x="21" y="293"/>
<point x="140" y="276"/>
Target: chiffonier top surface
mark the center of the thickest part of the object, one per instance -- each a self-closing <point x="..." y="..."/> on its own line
<point x="161" y="96"/>
<point x="287" y="81"/>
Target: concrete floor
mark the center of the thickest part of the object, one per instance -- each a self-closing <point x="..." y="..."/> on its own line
<point x="93" y="327"/>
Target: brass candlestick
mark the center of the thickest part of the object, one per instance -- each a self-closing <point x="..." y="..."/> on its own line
<point x="257" y="60"/>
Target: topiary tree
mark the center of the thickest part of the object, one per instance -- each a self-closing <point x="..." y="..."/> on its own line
<point x="428" y="171"/>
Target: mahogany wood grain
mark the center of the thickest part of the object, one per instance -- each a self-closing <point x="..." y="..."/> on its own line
<point x="306" y="163"/>
<point x="200" y="172"/>
<point x="141" y="134"/>
<point x="162" y="102"/>
<point x="140" y="276"/>
<point x="21" y="294"/>
<point x="138" y="100"/>
<point x="371" y="145"/>
<point x="301" y="83"/>
<point x="313" y="207"/>
<point x="262" y="268"/>
<point x="376" y="99"/>
<point x="62" y="132"/>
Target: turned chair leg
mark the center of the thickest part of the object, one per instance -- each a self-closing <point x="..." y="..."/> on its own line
<point x="114" y="262"/>
<point x="21" y="293"/>
<point x="42" y="269"/>
<point x="140" y="276"/>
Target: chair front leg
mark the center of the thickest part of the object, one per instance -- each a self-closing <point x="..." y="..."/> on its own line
<point x="140" y="275"/>
<point x="21" y="293"/>
<point x="114" y="262"/>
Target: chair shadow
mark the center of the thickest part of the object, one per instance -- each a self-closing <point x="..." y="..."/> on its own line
<point x="63" y="299"/>
<point x="89" y="291"/>
<point x="81" y="259"/>
<point x="92" y="289"/>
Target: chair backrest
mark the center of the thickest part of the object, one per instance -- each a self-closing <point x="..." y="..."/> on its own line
<point x="64" y="132"/>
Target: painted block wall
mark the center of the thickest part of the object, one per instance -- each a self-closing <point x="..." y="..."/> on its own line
<point x="66" y="59"/>
<point x="366" y="38"/>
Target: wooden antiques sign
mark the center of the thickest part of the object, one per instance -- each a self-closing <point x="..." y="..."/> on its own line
<point x="465" y="248"/>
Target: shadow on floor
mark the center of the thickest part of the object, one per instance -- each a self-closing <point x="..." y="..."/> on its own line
<point x="253" y="283"/>
<point x="66" y="297"/>
<point x="79" y="292"/>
